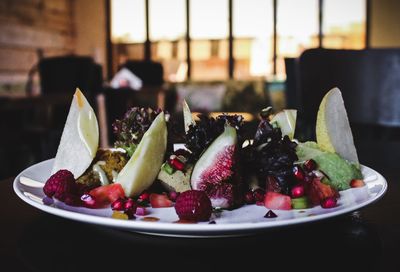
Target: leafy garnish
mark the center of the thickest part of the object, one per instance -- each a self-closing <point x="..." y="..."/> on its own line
<point x="270" y="154"/>
<point x="130" y="129"/>
<point x="203" y="133"/>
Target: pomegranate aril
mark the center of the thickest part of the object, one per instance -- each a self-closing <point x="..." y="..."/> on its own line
<point x="298" y="173"/>
<point x="356" y="183"/>
<point x="328" y="203"/>
<point x="118" y="205"/>
<point x="297" y="191"/>
<point x="177" y="164"/>
<point x="173" y="195"/>
<point x="131" y="212"/>
<point x="249" y="198"/>
<point x="145" y="196"/>
<point x="310" y="165"/>
<point x="129" y="204"/>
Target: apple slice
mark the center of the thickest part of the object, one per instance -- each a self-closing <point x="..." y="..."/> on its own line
<point x="142" y="168"/>
<point x="80" y="138"/>
<point x="333" y="129"/>
<point x="286" y="120"/>
<point x="187" y="116"/>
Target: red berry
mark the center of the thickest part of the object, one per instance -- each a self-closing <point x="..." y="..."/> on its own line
<point x="118" y="205"/>
<point x="310" y="165"/>
<point x="355" y="183"/>
<point x="173" y="195"/>
<point x="129" y="204"/>
<point x="328" y="202"/>
<point x="193" y="205"/>
<point x="61" y="185"/>
<point x="259" y="195"/>
<point x="297" y="191"/>
<point x="145" y="196"/>
<point x="249" y="198"/>
<point x="177" y="164"/>
<point x="298" y="173"/>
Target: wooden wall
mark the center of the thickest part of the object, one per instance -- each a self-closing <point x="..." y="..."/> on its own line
<point x="28" y="27"/>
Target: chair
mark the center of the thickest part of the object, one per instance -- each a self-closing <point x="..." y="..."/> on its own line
<point x="369" y="81"/>
<point x="150" y="72"/>
<point x="59" y="77"/>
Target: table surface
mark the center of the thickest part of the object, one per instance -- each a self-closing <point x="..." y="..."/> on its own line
<point x="366" y="240"/>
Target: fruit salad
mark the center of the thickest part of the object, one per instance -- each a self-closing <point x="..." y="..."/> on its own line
<point x="204" y="167"/>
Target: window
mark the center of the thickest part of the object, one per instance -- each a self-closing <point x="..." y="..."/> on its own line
<point x="297" y="29"/>
<point x="209" y="34"/>
<point x="167" y="36"/>
<point x="253" y="38"/>
<point x="344" y="24"/>
<point x="128" y="31"/>
<point x="254" y="35"/>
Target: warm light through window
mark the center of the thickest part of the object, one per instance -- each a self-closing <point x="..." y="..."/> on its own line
<point x="252" y="31"/>
<point x="344" y="24"/>
<point x="128" y="21"/>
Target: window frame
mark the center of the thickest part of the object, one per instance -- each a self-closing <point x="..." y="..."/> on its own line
<point x="231" y="60"/>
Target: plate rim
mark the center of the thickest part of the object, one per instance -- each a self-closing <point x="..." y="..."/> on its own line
<point x="173" y="229"/>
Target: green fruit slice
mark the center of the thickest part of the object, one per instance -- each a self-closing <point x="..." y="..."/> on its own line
<point x="286" y="120"/>
<point x="142" y="168"/>
<point x="333" y="129"/>
<point x="300" y="203"/>
<point x="187" y="116"/>
<point x="80" y="138"/>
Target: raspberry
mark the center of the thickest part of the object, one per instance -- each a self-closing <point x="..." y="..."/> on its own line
<point x="62" y="186"/>
<point x="193" y="205"/>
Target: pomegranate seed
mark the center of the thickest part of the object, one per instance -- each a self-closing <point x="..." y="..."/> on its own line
<point x="328" y="203"/>
<point x="131" y="212"/>
<point x="173" y="195"/>
<point x="89" y="201"/>
<point x="118" y="205"/>
<point x="297" y="191"/>
<point x="177" y="164"/>
<point x="141" y="211"/>
<point x="145" y="196"/>
<point x="129" y="204"/>
<point x="258" y="195"/>
<point x="355" y="183"/>
<point x="270" y="214"/>
<point x="249" y="198"/>
<point x="310" y="165"/>
<point x="298" y="173"/>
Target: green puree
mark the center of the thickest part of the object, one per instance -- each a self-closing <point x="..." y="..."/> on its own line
<point x="339" y="172"/>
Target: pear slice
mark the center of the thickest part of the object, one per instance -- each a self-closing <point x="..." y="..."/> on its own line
<point x="142" y="168"/>
<point x="286" y="120"/>
<point x="80" y="138"/>
<point x="333" y="129"/>
<point x="187" y="116"/>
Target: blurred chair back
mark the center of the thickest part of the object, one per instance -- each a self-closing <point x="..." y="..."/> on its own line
<point x="61" y="75"/>
<point x="150" y="72"/>
<point x="369" y="81"/>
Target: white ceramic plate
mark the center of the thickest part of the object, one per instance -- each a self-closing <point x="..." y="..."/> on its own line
<point x="245" y="220"/>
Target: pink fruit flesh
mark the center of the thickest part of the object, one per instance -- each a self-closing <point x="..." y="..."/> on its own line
<point x="276" y="201"/>
<point x="220" y="169"/>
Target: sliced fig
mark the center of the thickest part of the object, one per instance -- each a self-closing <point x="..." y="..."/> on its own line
<point x="215" y="164"/>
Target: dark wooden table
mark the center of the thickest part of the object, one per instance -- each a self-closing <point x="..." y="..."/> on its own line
<point x="366" y="240"/>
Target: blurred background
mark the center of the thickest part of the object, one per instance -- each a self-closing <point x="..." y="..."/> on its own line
<point x="235" y="56"/>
